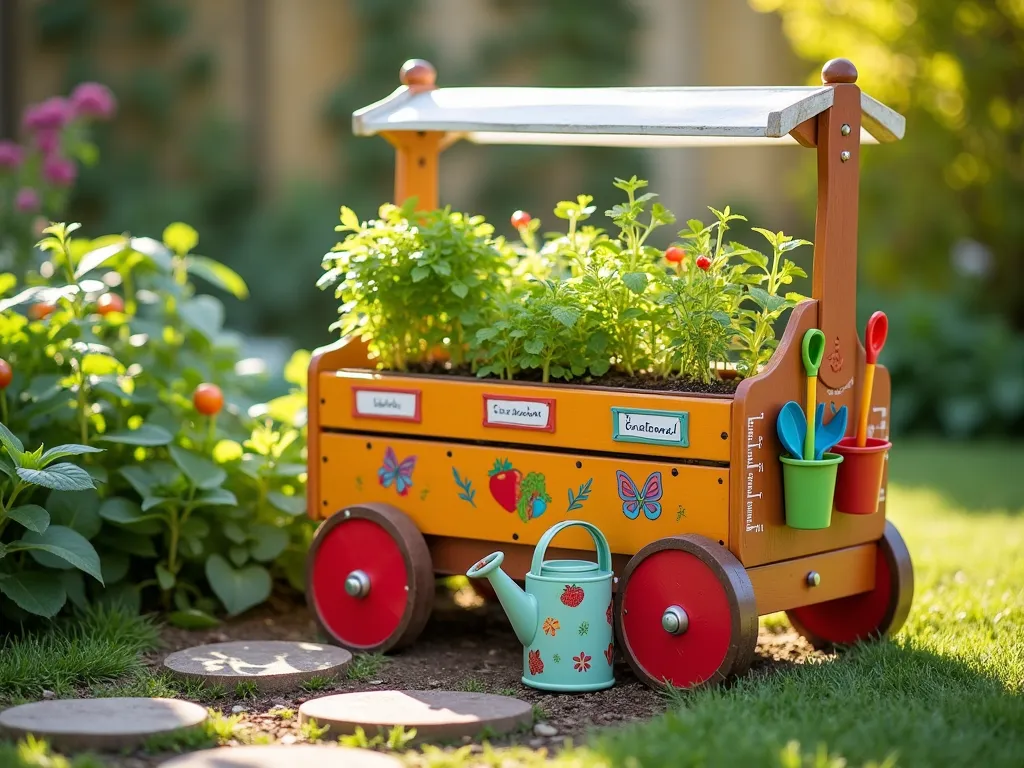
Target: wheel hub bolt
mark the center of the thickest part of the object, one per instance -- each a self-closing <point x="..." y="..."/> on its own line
<point x="674" y="620"/>
<point x="813" y="579"/>
<point x="357" y="584"/>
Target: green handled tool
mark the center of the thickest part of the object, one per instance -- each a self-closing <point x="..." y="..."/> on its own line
<point x="813" y="350"/>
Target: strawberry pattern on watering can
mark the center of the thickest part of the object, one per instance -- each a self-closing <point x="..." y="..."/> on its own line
<point x="563" y="618"/>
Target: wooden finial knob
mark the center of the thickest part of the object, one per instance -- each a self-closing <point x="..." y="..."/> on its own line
<point x="838" y="71"/>
<point x="418" y="72"/>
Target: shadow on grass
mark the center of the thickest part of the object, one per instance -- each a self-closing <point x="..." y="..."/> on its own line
<point x="978" y="477"/>
<point x="872" y="703"/>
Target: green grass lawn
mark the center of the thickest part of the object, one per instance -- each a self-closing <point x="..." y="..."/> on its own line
<point x="948" y="691"/>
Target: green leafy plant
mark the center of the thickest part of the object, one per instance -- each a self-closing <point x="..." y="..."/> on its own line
<point x="199" y="486"/>
<point x="580" y="305"/>
<point x="413" y="283"/>
<point x="42" y="590"/>
<point x="755" y="329"/>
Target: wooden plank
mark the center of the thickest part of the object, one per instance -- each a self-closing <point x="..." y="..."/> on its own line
<point x="759" y="533"/>
<point x="783" y="586"/>
<point x="630" y="115"/>
<point x="884" y="124"/>
<point x="456" y="491"/>
<point x="834" y="273"/>
<point x="736" y="112"/>
<point x="582" y="416"/>
<point x="450" y="555"/>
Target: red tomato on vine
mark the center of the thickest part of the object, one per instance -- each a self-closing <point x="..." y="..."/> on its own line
<point x="208" y="399"/>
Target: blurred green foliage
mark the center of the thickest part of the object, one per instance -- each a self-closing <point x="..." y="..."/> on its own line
<point x="941" y="233"/>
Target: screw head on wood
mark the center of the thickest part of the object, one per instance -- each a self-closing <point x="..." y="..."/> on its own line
<point x="813" y="579"/>
<point x="844" y="155"/>
<point x="674" y="620"/>
<point x="838" y="71"/>
<point x="418" y="72"/>
<point x="845" y="130"/>
<point x="357" y="584"/>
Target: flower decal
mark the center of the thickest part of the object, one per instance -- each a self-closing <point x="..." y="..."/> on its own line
<point x="609" y="654"/>
<point x="582" y="662"/>
<point x="551" y="626"/>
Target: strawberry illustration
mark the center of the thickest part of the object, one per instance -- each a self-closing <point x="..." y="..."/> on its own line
<point x="609" y="654"/>
<point x="572" y="595"/>
<point x="504" y="484"/>
<point x="536" y="665"/>
<point x="608" y="612"/>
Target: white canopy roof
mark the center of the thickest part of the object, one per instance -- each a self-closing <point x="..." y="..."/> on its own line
<point x="634" y="117"/>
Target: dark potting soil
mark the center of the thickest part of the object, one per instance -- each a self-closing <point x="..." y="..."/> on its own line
<point x="615" y="380"/>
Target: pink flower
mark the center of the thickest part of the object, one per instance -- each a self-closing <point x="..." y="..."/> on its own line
<point x="50" y="114"/>
<point x="59" y="171"/>
<point x="10" y="154"/>
<point x="93" y="100"/>
<point x="27" y="200"/>
<point x="48" y="140"/>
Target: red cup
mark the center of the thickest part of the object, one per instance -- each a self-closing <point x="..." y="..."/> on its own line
<point x="860" y="475"/>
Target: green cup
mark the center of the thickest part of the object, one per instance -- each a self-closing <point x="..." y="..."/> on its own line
<point x="809" y="488"/>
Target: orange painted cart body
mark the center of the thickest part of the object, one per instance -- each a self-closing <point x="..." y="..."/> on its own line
<point x="477" y="482"/>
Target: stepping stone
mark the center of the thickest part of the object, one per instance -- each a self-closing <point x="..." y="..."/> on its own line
<point x="274" y="665"/>
<point x="283" y="756"/>
<point x="104" y="724"/>
<point x="436" y="715"/>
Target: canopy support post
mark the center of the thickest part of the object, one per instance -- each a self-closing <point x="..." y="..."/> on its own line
<point x="835" y="229"/>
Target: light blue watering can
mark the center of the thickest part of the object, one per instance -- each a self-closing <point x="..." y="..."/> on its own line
<point x="564" y="618"/>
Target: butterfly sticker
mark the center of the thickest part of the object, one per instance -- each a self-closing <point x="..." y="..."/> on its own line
<point x="398" y="473"/>
<point x="633" y="499"/>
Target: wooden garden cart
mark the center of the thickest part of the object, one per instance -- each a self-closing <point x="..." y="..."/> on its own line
<point x="418" y="476"/>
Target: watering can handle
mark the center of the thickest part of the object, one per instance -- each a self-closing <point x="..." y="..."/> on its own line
<point x="604" y="554"/>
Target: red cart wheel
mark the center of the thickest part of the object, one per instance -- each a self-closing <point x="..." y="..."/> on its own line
<point x="369" y="578"/>
<point x="686" y="613"/>
<point x="869" y="615"/>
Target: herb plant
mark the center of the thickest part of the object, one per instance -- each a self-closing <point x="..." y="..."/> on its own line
<point x="411" y="283"/>
<point x="579" y="304"/>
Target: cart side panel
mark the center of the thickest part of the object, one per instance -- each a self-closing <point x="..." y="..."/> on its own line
<point x="348" y="352"/>
<point x="759" y="533"/>
<point x="453" y="493"/>
<point x="559" y="416"/>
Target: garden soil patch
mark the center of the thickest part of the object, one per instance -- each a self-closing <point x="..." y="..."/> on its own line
<point x="612" y="380"/>
<point x="462" y="648"/>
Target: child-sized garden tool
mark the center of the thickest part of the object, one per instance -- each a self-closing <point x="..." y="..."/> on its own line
<point x="874" y="340"/>
<point x="792" y="428"/>
<point x="813" y="349"/>
<point x="564" y="617"/>
<point x="827" y="435"/>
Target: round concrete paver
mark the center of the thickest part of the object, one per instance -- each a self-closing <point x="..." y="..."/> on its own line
<point x="115" y="723"/>
<point x="274" y="665"/>
<point x="436" y="715"/>
<point x="282" y="756"/>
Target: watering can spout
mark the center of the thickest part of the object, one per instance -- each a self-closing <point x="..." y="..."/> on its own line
<point x="519" y="605"/>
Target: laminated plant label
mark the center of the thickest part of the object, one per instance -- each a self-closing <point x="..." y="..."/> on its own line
<point x="381" y="403"/>
<point x="654" y="427"/>
<point x="519" y="413"/>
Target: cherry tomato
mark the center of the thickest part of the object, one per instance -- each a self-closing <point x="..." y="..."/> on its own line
<point x="6" y="374"/>
<point x="109" y="302"/>
<point x="703" y="262"/>
<point x="41" y="310"/>
<point x="208" y="399"/>
<point x="675" y="254"/>
<point x="520" y="219"/>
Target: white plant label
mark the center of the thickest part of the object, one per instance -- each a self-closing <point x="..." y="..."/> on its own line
<point x="403" y="405"/>
<point x="519" y="413"/>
